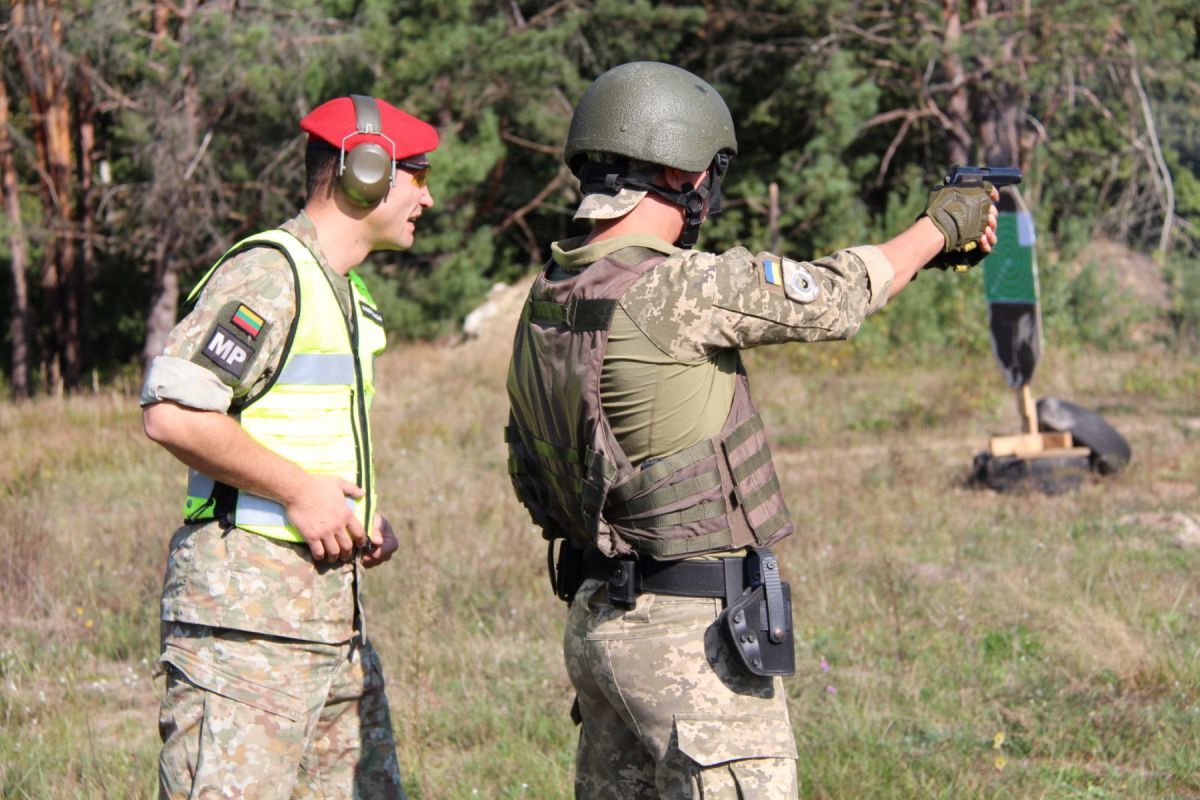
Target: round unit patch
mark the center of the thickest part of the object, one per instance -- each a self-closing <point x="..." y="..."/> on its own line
<point x="798" y="282"/>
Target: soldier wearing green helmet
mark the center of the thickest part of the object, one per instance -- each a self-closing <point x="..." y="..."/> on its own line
<point x="636" y="447"/>
<point x="654" y="115"/>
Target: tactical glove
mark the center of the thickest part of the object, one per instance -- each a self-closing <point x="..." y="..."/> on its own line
<point x="960" y="212"/>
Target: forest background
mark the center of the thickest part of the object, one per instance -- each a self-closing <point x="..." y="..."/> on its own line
<point x="951" y="643"/>
<point x="138" y="140"/>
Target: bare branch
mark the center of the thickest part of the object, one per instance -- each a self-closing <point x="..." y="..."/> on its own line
<point x="1160" y="173"/>
<point x="557" y="182"/>
<point x="550" y="150"/>
<point x="891" y="151"/>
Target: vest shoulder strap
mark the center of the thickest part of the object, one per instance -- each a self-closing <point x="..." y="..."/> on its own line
<point x="278" y="239"/>
<point x="578" y="315"/>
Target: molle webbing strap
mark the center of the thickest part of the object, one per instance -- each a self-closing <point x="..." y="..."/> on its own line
<point x="666" y="495"/>
<point x="536" y="465"/>
<point x="743" y="432"/>
<point x="696" y="513"/>
<point x="672" y="548"/>
<point x="578" y="315"/>
<point x="560" y="456"/>
<point x="772" y="525"/>
<point x="565" y="476"/>
<point x="660" y="470"/>
<point x="569" y="484"/>
<point x="760" y="495"/>
<point x="598" y="474"/>
<point x="746" y="468"/>
<point x="556" y="465"/>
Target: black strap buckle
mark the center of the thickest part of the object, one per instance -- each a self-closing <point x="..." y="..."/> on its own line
<point x="622" y="584"/>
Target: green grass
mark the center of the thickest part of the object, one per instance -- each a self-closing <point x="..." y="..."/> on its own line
<point x="932" y="618"/>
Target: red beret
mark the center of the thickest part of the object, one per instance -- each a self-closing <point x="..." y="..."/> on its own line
<point x="334" y="120"/>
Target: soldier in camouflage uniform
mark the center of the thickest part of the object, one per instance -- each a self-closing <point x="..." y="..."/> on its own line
<point x="639" y="339"/>
<point x="273" y="690"/>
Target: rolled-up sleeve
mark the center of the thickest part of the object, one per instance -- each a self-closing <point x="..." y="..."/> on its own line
<point x="879" y="274"/>
<point x="186" y="383"/>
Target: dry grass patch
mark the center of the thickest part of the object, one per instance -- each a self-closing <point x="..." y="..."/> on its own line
<point x="931" y="617"/>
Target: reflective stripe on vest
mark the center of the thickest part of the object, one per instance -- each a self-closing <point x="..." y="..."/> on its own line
<point x="316" y="410"/>
<point x="318" y="369"/>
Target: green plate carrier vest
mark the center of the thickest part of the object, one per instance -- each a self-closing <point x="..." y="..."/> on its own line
<point x="315" y="410"/>
<point x="571" y="473"/>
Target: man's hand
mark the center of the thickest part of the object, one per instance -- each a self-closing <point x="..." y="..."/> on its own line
<point x="325" y="520"/>
<point x="383" y="543"/>
<point x="966" y="218"/>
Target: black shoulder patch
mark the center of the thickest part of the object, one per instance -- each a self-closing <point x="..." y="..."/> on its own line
<point x="229" y="352"/>
<point x="371" y="313"/>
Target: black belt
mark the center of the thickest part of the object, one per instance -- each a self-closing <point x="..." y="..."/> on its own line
<point x="627" y="578"/>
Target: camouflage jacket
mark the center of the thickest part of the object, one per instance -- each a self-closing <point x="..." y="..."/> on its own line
<point x="668" y="372"/>
<point x="233" y="578"/>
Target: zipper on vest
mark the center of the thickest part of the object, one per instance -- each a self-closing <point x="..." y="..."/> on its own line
<point x="360" y="426"/>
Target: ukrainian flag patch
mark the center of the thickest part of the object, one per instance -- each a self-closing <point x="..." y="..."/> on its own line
<point x="772" y="272"/>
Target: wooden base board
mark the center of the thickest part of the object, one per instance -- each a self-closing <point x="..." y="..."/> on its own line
<point x="1033" y="445"/>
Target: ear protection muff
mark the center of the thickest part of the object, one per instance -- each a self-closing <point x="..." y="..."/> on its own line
<point x="368" y="171"/>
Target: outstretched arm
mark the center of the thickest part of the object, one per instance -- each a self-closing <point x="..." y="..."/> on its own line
<point x="923" y="240"/>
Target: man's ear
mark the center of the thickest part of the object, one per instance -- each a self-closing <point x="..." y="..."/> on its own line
<point x="676" y="179"/>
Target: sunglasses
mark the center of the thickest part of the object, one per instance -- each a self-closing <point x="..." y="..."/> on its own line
<point x="417" y="170"/>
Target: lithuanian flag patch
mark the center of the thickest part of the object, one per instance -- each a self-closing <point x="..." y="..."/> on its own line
<point x="250" y="323"/>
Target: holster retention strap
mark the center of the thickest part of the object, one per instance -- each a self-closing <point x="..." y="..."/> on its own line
<point x="763" y="608"/>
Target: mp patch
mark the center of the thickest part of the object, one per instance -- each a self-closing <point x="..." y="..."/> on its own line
<point x="798" y="282"/>
<point x="371" y="313"/>
<point x="228" y="352"/>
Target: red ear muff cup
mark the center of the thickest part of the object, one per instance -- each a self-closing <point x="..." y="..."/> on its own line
<point x="366" y="174"/>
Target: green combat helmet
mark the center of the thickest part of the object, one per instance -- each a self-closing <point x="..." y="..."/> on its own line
<point x="659" y="114"/>
<point x="654" y="112"/>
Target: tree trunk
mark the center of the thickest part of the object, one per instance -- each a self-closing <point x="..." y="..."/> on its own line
<point x="20" y="323"/>
<point x="86" y="216"/>
<point x="164" y="302"/>
<point x="164" y="298"/>
<point x="1001" y="105"/>
<point x="956" y="114"/>
<point x="39" y="39"/>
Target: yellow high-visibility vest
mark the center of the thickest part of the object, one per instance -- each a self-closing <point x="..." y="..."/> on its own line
<point x="315" y="411"/>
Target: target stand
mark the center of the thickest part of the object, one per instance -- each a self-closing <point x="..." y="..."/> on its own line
<point x="1043" y="460"/>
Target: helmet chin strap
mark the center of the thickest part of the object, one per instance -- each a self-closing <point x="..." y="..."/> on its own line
<point x="612" y="177"/>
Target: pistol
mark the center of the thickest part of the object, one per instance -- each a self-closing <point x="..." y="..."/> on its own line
<point x="996" y="176"/>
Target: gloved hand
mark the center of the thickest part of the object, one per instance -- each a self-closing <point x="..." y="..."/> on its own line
<point x="963" y="214"/>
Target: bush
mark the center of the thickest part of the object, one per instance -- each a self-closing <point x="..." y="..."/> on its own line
<point x="1183" y="278"/>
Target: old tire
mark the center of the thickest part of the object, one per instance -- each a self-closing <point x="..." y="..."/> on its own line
<point x="1110" y="450"/>
<point x="1048" y="474"/>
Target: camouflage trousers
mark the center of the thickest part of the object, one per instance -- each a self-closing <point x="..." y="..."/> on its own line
<point x="666" y="713"/>
<point x="252" y="716"/>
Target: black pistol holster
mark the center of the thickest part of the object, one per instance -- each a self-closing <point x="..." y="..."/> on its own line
<point x="566" y="572"/>
<point x="758" y="623"/>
